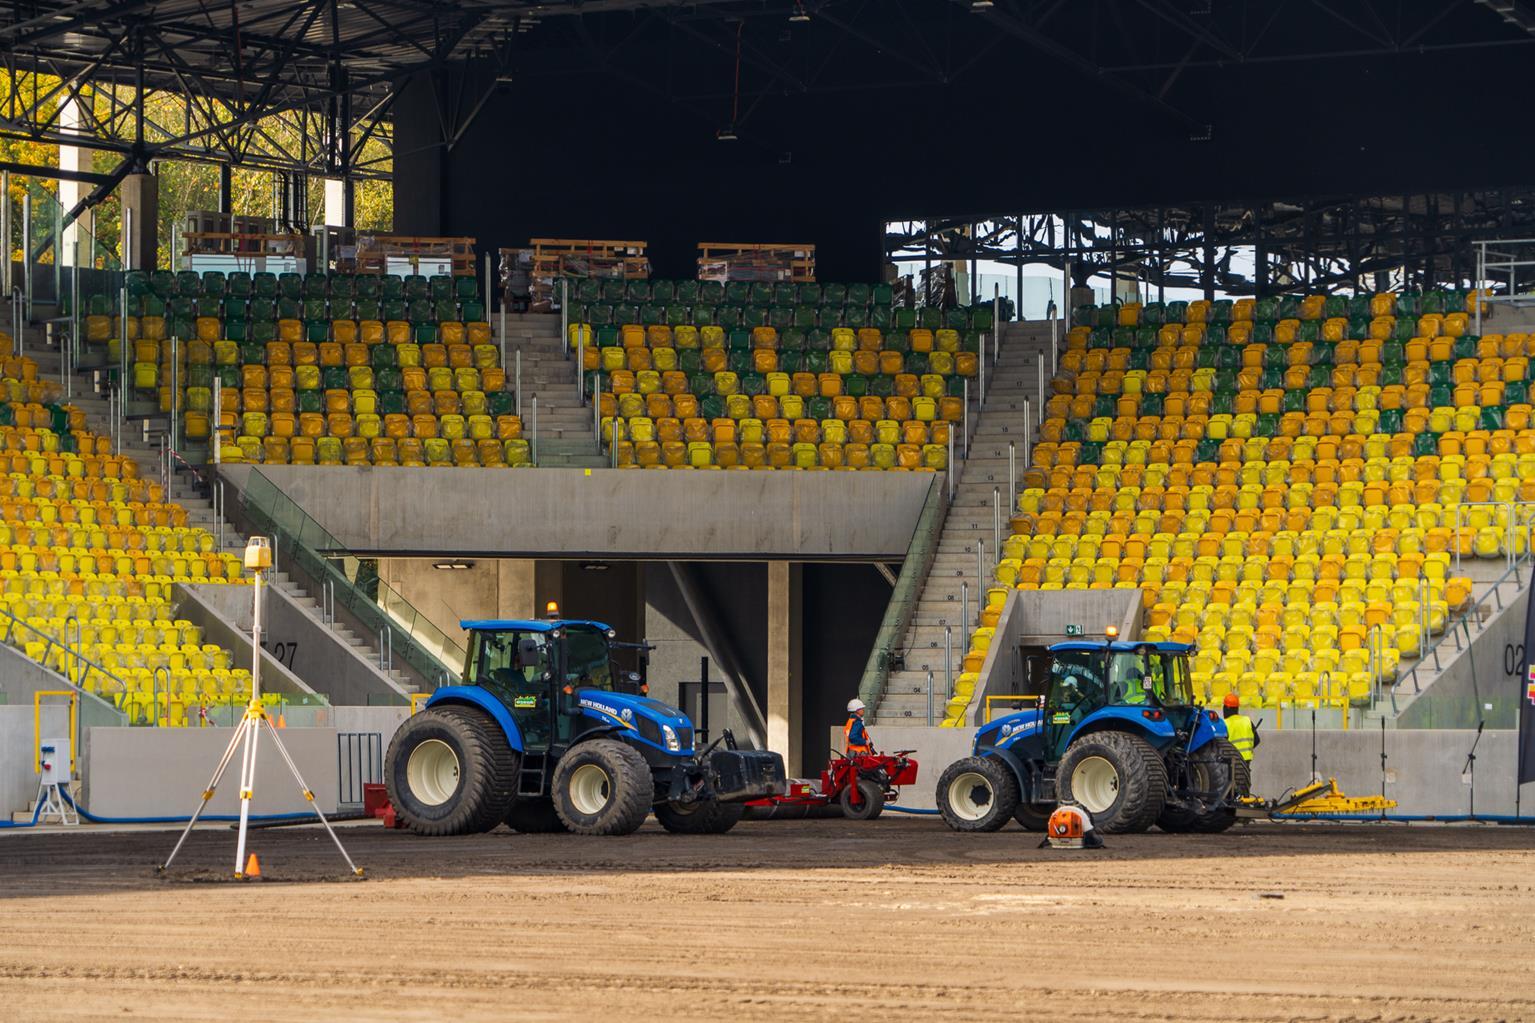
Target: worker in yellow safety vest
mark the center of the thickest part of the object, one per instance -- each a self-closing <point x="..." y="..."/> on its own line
<point x="1239" y="728"/>
<point x="854" y="734"/>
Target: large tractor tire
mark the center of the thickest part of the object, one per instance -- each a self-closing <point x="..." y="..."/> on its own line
<point x="1117" y="778"/>
<point x="871" y="801"/>
<point x="534" y="815"/>
<point x="602" y="787"/>
<point x="1033" y="818"/>
<point x="1212" y="768"/>
<point x="449" y="771"/>
<point x="706" y="817"/>
<point x="977" y="794"/>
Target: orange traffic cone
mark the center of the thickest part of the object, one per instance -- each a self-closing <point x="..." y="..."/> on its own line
<point x="282" y="721"/>
<point x="252" y="866"/>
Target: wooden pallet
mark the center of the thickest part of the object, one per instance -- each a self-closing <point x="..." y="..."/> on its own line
<point x="375" y="250"/>
<point x="554" y="258"/>
<point x="239" y="243"/>
<point x="744" y="261"/>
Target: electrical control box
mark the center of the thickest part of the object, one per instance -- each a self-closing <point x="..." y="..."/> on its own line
<point x="55" y="761"/>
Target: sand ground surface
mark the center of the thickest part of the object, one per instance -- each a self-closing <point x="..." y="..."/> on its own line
<point x="896" y="919"/>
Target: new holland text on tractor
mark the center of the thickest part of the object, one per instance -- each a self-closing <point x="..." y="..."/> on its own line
<point x="1117" y="733"/>
<point x="546" y="733"/>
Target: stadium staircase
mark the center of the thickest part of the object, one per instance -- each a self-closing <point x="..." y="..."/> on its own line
<point x="566" y="434"/>
<point x="955" y="578"/>
<point x="142" y="443"/>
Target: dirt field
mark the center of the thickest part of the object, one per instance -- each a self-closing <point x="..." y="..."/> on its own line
<point x="899" y="919"/>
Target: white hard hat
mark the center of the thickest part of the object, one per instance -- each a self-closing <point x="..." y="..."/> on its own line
<point x="855" y="704"/>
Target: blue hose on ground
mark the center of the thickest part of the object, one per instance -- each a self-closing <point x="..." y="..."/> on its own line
<point x="215" y="817"/>
<point x="911" y="810"/>
<point x="1406" y="818"/>
<point x="36" y="810"/>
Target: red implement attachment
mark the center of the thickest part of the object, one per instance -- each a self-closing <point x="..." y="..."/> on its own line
<point x="854" y="785"/>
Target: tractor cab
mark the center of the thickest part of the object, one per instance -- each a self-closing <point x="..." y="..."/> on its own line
<point x="545" y="671"/>
<point x="1088" y="677"/>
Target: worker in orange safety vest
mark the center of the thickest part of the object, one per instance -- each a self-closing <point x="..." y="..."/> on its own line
<point x="854" y="735"/>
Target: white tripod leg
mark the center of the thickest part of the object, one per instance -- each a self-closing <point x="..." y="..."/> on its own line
<point x="304" y="788"/>
<point x="213" y="784"/>
<point x="247" y="788"/>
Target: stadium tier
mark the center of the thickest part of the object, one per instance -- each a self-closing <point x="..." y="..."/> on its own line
<point x="88" y="555"/>
<point x="323" y="369"/>
<point x="1288" y="481"/>
<point x="706" y="375"/>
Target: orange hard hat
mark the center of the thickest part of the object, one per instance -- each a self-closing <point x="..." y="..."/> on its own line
<point x="1232" y="701"/>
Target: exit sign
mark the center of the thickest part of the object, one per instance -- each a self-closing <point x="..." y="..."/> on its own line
<point x="1073" y="630"/>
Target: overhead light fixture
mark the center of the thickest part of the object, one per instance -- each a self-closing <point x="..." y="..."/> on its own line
<point x="799" y="12"/>
<point x="980" y="5"/>
<point x="594" y="566"/>
<point x="727" y="134"/>
<point x="453" y="566"/>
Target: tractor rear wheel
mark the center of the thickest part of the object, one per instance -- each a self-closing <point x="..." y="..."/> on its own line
<point x="602" y="787"/>
<point x="1117" y="778"/>
<point x="534" y="815"/>
<point x="1033" y="818"/>
<point x="450" y="771"/>
<point x="705" y="817"/>
<point x="871" y="801"/>
<point x="977" y="794"/>
<point x="1213" y="768"/>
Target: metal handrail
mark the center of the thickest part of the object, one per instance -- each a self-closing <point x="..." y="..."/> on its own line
<point x="76" y="658"/>
<point x="1463" y="620"/>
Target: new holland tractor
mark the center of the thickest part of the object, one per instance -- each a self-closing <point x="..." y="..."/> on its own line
<point x="1118" y="733"/>
<point x="546" y="733"/>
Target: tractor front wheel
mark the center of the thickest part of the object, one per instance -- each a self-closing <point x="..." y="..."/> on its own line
<point x="705" y="817"/>
<point x="1117" y="778"/>
<point x="977" y="794"/>
<point x="871" y="800"/>
<point x="450" y="771"/>
<point x="602" y="787"/>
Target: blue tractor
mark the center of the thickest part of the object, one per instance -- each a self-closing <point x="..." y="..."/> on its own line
<point x="1118" y="733"/>
<point x="547" y="733"/>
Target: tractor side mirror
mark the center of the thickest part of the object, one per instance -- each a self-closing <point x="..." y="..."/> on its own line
<point x="528" y="650"/>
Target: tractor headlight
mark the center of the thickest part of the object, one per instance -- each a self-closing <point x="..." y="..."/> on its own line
<point x="670" y="735"/>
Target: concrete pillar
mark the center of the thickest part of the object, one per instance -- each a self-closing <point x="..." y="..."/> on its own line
<point x="74" y="158"/>
<point x="785" y="677"/>
<point x="516" y="586"/>
<point x="141" y="197"/>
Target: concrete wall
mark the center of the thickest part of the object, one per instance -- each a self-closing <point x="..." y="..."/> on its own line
<point x="1038" y="618"/>
<point x="488" y="588"/>
<point x="157" y="772"/>
<point x="1481" y="681"/>
<point x="18" y="780"/>
<point x="591" y="512"/>
<point x="193" y="604"/>
<point x="316" y="655"/>
<point x="1424" y="767"/>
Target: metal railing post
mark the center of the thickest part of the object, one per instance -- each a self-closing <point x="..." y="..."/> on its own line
<point x="964" y="613"/>
<point x="565" y="316"/>
<point x="7" y="272"/>
<point x="175" y="389"/>
<point x="1028" y="433"/>
<point x="218" y="415"/>
<point x="996" y="520"/>
<point x="981" y="370"/>
<point x="950" y="465"/>
<point x="966" y="451"/>
<point x="487" y="286"/>
<point x="597" y="409"/>
<point x="980" y="562"/>
<point x="930" y="697"/>
<point x="518" y="380"/>
<point x="76" y="320"/>
<point x="1012" y="475"/>
<point x="1054" y="345"/>
<point x="1040" y="388"/>
<point x="948" y="659"/>
<point x="580" y="366"/>
<point x="534" y="446"/>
